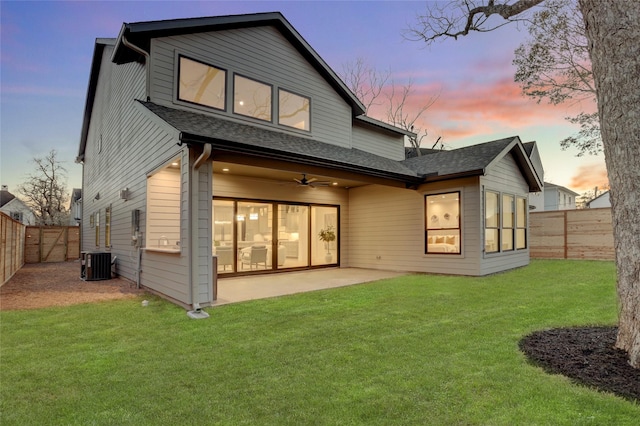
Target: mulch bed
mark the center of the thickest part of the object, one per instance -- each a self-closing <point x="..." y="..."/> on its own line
<point x="587" y="356"/>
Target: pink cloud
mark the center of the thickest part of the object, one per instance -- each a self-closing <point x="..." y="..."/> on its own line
<point x="588" y="176"/>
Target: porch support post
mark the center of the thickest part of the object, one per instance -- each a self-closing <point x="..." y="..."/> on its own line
<point x="200" y="251"/>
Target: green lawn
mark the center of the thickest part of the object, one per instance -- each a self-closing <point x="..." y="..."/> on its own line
<point x="413" y="350"/>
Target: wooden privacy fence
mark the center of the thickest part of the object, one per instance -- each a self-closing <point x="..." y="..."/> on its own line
<point x="51" y="243"/>
<point x="571" y="234"/>
<point x="12" y="249"/>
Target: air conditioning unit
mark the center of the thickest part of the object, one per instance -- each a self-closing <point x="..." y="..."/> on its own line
<point x="97" y="266"/>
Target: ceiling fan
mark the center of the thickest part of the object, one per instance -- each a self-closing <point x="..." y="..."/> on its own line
<point x="311" y="183"/>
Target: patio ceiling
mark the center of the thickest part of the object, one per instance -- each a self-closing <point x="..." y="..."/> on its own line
<point x="284" y="173"/>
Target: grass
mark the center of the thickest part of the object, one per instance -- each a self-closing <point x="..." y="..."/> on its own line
<point x="413" y="350"/>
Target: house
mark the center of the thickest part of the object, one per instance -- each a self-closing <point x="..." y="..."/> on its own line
<point x="15" y="208"/>
<point x="536" y="199"/>
<point x="601" y="200"/>
<point x="224" y="146"/>
<point x="75" y="207"/>
<point x="558" y="197"/>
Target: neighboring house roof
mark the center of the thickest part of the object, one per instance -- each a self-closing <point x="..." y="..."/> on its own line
<point x="234" y="137"/>
<point x="76" y="194"/>
<point x="5" y="197"/>
<point x="548" y="185"/>
<point x="604" y="194"/>
<point x="473" y="161"/>
<point x="140" y="34"/>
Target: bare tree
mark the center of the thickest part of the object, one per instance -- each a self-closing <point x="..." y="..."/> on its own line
<point x="612" y="28"/>
<point x="377" y="89"/>
<point x="45" y="191"/>
<point x="554" y="65"/>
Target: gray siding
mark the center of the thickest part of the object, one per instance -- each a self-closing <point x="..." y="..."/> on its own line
<point x="125" y="143"/>
<point x="261" y="53"/>
<point x="378" y="143"/>
<point x="504" y="176"/>
<point x="386" y="229"/>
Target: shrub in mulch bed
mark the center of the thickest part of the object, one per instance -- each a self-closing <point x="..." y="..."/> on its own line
<point x="587" y="356"/>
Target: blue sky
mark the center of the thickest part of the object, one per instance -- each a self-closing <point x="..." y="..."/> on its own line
<point x="46" y="50"/>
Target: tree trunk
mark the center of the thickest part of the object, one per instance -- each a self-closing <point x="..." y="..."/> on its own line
<point x="613" y="31"/>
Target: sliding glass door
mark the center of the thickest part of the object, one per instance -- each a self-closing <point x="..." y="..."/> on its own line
<point x="254" y="236"/>
<point x="293" y="235"/>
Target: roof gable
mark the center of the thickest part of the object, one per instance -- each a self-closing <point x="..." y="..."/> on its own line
<point x="474" y="160"/>
<point x="5" y="197"/>
<point x="139" y="35"/>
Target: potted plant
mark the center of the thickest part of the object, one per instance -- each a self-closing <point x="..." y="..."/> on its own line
<point x="327" y="235"/>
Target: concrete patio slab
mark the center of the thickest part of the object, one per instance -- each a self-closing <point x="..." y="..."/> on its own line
<point x="239" y="289"/>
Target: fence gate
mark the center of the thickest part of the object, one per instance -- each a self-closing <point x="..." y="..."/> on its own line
<point x="51" y="243"/>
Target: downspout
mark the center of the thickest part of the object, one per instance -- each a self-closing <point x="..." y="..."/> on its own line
<point x="196" y="312"/>
<point x="147" y="66"/>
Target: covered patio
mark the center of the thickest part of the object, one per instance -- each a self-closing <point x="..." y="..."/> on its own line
<point x="240" y="289"/>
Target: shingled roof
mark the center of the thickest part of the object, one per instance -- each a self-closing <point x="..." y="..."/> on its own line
<point x="231" y="136"/>
<point x="472" y="161"/>
<point x="468" y="160"/>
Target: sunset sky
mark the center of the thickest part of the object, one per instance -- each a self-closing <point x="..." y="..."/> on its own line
<point x="46" y="50"/>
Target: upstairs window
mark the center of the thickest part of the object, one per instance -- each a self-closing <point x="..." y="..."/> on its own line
<point x="293" y="110"/>
<point x="202" y="84"/>
<point x="251" y="98"/>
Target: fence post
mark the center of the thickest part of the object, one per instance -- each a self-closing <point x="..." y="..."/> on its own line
<point x="566" y="236"/>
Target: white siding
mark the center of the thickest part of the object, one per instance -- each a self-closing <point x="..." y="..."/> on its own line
<point x="261" y="53"/>
<point x="379" y="143"/>
<point x="387" y="226"/>
<point x="504" y="177"/>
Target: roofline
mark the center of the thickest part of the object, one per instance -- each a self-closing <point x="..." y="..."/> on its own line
<point x="386" y="126"/>
<point x="522" y="159"/>
<point x="240" y="148"/>
<point x="140" y="34"/>
<point x="99" y="46"/>
<point x="553" y="185"/>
